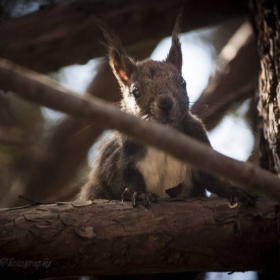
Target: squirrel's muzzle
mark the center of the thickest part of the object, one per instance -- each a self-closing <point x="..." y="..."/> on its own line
<point x="165" y="103"/>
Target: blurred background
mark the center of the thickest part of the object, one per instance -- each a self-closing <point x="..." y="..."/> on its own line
<point x="46" y="155"/>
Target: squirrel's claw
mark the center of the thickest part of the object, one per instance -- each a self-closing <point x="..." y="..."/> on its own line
<point x="134" y="199"/>
<point x="126" y="195"/>
<point x="146" y="197"/>
<point x="244" y="197"/>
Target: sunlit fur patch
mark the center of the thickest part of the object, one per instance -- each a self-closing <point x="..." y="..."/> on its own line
<point x="123" y="75"/>
<point x="130" y="105"/>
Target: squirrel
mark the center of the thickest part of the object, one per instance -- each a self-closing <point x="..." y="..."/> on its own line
<point x="154" y="91"/>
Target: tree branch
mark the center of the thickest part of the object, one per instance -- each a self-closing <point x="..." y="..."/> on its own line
<point x="102" y="237"/>
<point x="70" y="30"/>
<point x="234" y="80"/>
<point x="40" y="89"/>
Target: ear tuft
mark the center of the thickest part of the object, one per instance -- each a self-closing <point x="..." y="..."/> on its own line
<point x="175" y="52"/>
<point x="121" y="64"/>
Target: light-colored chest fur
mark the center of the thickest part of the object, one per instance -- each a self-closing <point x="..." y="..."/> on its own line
<point x="162" y="171"/>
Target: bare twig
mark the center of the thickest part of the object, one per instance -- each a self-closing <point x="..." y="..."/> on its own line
<point x="40" y="89"/>
<point x="234" y="80"/>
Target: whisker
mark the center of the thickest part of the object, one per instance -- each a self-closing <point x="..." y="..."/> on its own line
<point x="87" y="127"/>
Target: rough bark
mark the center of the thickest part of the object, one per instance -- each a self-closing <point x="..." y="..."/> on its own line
<point x="267" y="18"/>
<point x="66" y="33"/>
<point x="39" y="89"/>
<point x="102" y="237"/>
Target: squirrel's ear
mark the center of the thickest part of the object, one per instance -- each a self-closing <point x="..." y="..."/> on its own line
<point x="175" y="53"/>
<point x="121" y="64"/>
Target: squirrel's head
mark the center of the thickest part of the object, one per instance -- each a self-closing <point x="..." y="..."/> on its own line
<point x="152" y="90"/>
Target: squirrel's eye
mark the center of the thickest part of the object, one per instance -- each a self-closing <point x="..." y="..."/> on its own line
<point x="183" y="83"/>
<point x="135" y="92"/>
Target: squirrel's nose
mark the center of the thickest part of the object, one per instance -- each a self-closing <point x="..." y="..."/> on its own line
<point x="165" y="103"/>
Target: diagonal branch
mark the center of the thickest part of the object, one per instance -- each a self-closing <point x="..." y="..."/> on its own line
<point x="40" y="89"/>
<point x="234" y="80"/>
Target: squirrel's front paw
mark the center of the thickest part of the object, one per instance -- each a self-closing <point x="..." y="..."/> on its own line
<point x="146" y="197"/>
<point x="244" y="197"/>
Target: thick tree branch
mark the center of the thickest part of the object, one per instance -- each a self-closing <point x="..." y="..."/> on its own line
<point x="102" y="237"/>
<point x="40" y="89"/>
<point x="70" y="30"/>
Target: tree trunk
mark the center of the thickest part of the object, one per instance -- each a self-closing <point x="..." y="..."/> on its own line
<point x="267" y="20"/>
<point x="102" y="237"/>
